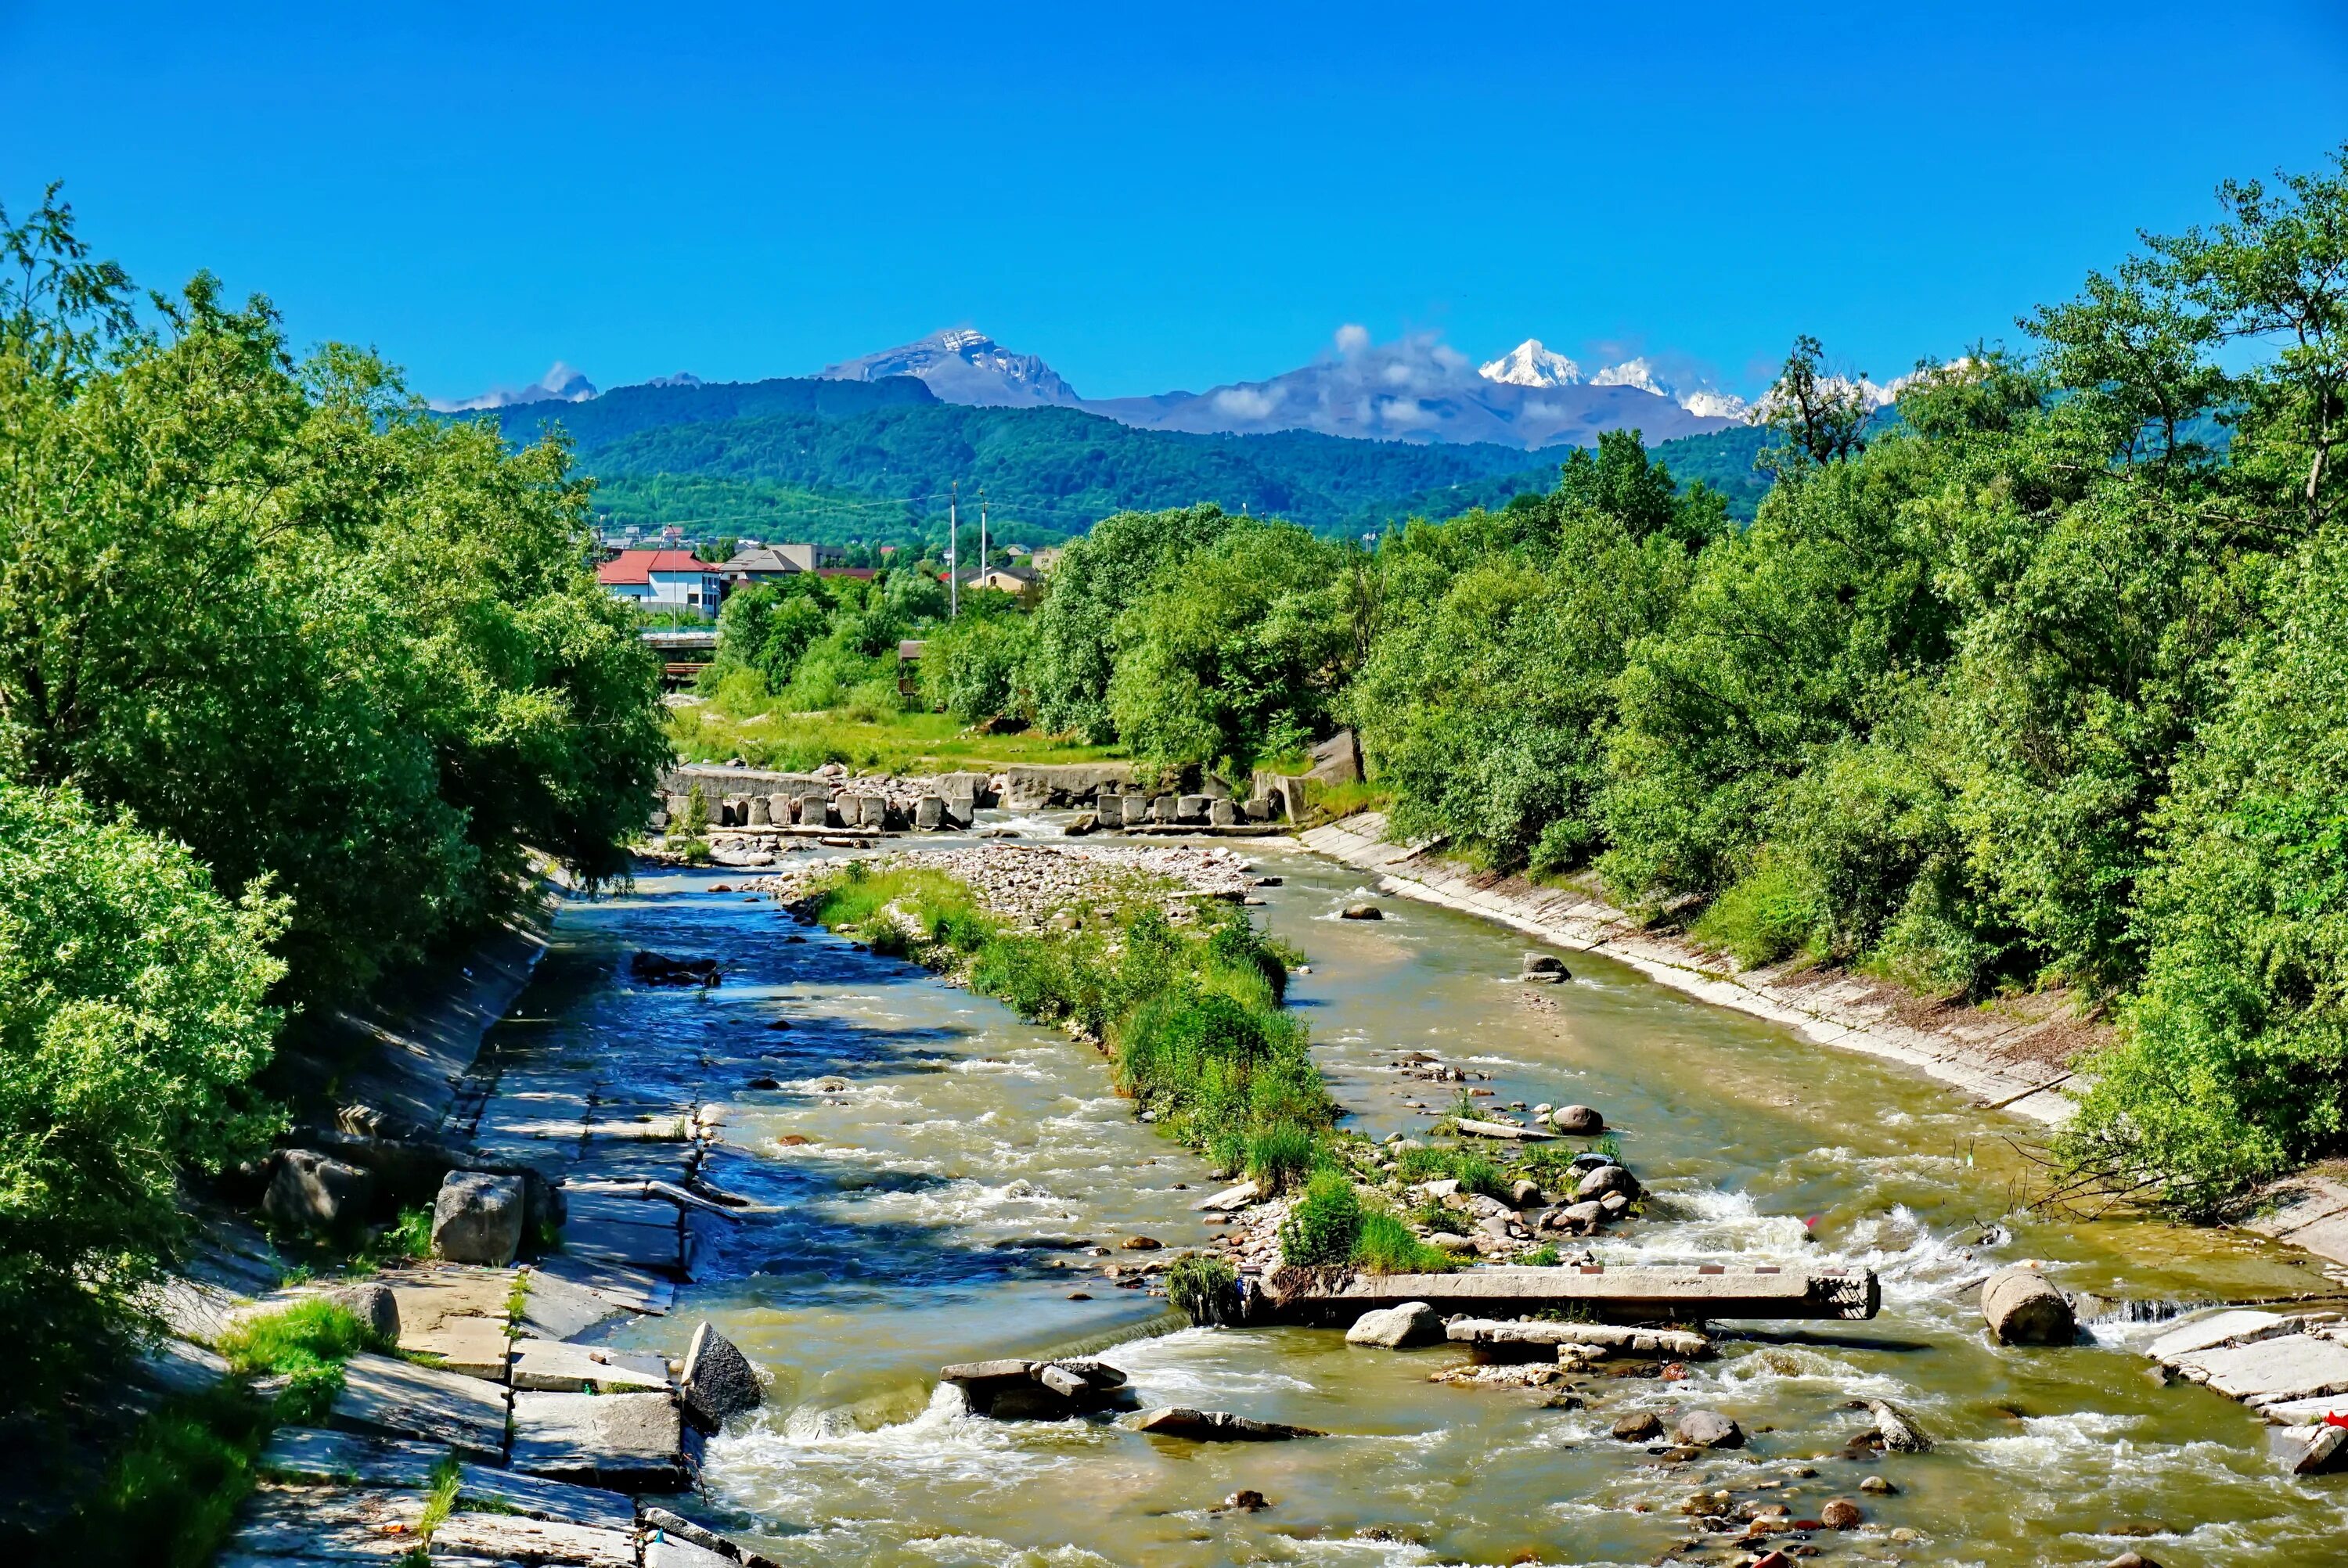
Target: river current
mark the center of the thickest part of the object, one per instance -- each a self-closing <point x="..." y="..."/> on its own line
<point x="943" y="1157"/>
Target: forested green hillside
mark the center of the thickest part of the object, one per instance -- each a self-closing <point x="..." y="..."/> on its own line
<point x="800" y="458"/>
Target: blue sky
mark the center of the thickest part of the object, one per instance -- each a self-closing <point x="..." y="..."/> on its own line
<point x="1149" y="197"/>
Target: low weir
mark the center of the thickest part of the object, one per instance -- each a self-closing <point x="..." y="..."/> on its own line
<point x="1696" y="1293"/>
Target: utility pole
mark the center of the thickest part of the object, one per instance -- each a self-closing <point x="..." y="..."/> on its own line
<point x="982" y="530"/>
<point x="953" y="541"/>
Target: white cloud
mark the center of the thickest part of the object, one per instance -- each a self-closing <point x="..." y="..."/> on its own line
<point x="1243" y="403"/>
<point x="1352" y="338"/>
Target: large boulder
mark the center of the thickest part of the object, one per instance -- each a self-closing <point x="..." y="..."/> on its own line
<point x="375" y="1307"/>
<point x="1577" y="1119"/>
<point x="1605" y="1179"/>
<point x="478" y="1218"/>
<point x="718" y="1380"/>
<point x="309" y="1191"/>
<point x="659" y="970"/>
<point x="2021" y="1306"/>
<point x="1397" y="1327"/>
<point x="1708" y="1430"/>
<point x="1361" y="912"/>
<point x="1545" y="969"/>
<point x="1215" y="1426"/>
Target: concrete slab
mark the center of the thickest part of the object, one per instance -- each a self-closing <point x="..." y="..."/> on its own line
<point x="542" y="1499"/>
<point x="2305" y="1413"/>
<point x="2240" y="1325"/>
<point x="476" y="1346"/>
<point x="1632" y="1294"/>
<point x="668" y="1551"/>
<point x="327" y="1524"/>
<point x="558" y="1309"/>
<point x="386" y="1396"/>
<point x="552" y="1367"/>
<point x="308" y="1453"/>
<point x="513" y="1537"/>
<point x="2269" y="1372"/>
<point x="630" y="1207"/>
<point x="632" y="1442"/>
<point x="629" y="1289"/>
<point x="658" y="1247"/>
<point x="432" y="1294"/>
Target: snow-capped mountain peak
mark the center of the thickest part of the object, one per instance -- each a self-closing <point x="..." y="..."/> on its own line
<point x="562" y="384"/>
<point x="1706" y="402"/>
<point x="963" y="366"/>
<point x="1530" y="364"/>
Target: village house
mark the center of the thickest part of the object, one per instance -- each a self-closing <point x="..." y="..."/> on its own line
<point x="663" y="579"/>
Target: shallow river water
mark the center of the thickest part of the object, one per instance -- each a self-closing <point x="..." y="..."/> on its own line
<point x="942" y="1134"/>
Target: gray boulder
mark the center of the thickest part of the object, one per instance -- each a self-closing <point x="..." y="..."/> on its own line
<point x="1579" y="1120"/>
<point x="1708" y="1430"/>
<point x="1606" y="1179"/>
<point x="718" y="1380"/>
<point x="374" y="1306"/>
<point x="1222" y="814"/>
<point x="478" y="1218"/>
<point x="1639" y="1427"/>
<point x="1545" y="969"/>
<point x="1215" y="1426"/>
<point x="1900" y="1433"/>
<point x="2021" y="1306"/>
<point x="1397" y="1327"/>
<point x="309" y="1191"/>
<point x="1361" y="912"/>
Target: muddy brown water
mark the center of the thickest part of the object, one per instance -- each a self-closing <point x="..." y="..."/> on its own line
<point x="953" y="1152"/>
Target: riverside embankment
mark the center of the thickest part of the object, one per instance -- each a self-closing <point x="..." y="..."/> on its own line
<point x="934" y="1181"/>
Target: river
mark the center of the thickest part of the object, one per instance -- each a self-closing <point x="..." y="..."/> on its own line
<point x="952" y="1151"/>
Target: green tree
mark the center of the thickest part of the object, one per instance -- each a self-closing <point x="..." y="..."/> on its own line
<point x="1099" y="577"/>
<point x="132" y="1013"/>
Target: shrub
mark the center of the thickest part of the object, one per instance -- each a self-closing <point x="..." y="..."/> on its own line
<point x="172" y="1493"/>
<point x="1768" y="915"/>
<point x="1323" y="1224"/>
<point x="132" y="1013"/>
<point x="1385" y="1244"/>
<point x="1277" y="1155"/>
<point x="300" y="1336"/>
<point x="1204" y="1289"/>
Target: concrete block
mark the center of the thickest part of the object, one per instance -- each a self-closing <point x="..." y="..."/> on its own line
<point x="386" y="1397"/>
<point x="630" y="1442"/>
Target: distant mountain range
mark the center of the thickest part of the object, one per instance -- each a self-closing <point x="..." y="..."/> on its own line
<point x="839" y="460"/>
<point x="1416" y="390"/>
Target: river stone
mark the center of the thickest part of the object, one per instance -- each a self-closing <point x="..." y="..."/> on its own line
<point x="1577" y="1119"/>
<point x="1361" y="912"/>
<point x="1545" y="969"/>
<point x="1606" y="1179"/>
<point x="718" y="1380"/>
<point x="2131" y="1559"/>
<point x="1900" y="1433"/>
<point x="1579" y="1219"/>
<point x="374" y="1306"/>
<point x="2021" y="1306"/>
<point x="1639" y="1427"/>
<point x="1215" y="1426"/>
<point x="1708" y="1430"/>
<point x="630" y="1442"/>
<point x="478" y="1218"/>
<point x="1397" y="1327"/>
<point x="1840" y="1513"/>
<point x="311" y="1192"/>
<point x="1524" y="1194"/>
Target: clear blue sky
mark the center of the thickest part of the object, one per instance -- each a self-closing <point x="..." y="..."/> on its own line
<point x="1147" y="196"/>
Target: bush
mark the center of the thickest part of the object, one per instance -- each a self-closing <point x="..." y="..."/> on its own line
<point x="1323" y="1224"/>
<point x="172" y="1494"/>
<point x="1278" y="1154"/>
<point x="1766" y="916"/>
<point x="1385" y="1244"/>
<point x="130" y="1015"/>
<point x="1204" y="1289"/>
<point x="303" y="1335"/>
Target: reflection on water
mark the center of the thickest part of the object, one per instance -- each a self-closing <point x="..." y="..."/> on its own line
<point x="927" y="1169"/>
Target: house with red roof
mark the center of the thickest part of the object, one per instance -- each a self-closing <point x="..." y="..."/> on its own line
<point x="664" y="580"/>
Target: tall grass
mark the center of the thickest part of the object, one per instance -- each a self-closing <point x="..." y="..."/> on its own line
<point x="1191" y="1014"/>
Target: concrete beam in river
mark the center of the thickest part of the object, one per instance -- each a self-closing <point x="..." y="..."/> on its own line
<point x="1623" y="1295"/>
